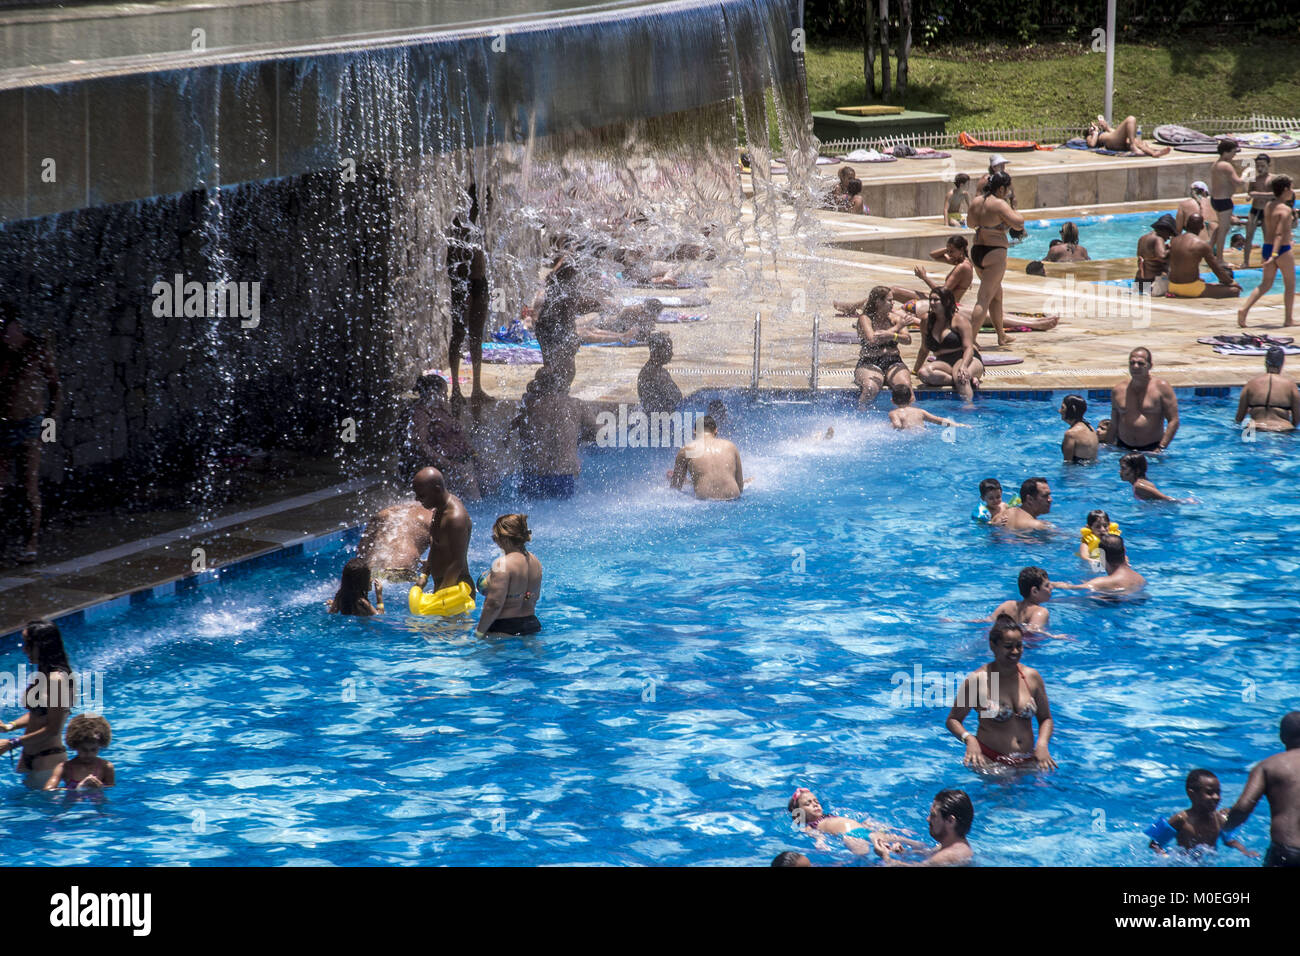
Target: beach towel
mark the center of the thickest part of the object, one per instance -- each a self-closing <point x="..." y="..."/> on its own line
<point x="505" y="353"/>
<point x="1254" y="350"/>
<point x="990" y="360"/>
<point x="1265" y="141"/>
<point x="1258" y="341"/>
<point x="1080" y="143"/>
<point x="669" y="318"/>
<point x="827" y="161"/>
<point x="1173" y="135"/>
<point x="868" y="156"/>
<point x="967" y="141"/>
<point x="932" y="154"/>
<point x="668" y="301"/>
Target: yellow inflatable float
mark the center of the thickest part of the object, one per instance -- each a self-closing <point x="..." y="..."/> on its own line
<point x="455" y="599"/>
<point x="1093" y="540"/>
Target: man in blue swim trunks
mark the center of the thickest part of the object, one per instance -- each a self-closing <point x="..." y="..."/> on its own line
<point x="1278" y="778"/>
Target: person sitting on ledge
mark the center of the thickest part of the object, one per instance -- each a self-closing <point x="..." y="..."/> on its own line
<point x="1186" y="253"/>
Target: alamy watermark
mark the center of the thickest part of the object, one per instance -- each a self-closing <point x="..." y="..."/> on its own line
<point x="1089" y="300"/>
<point x="85" y="691"/>
<point x="931" y="688"/>
<point x="178" y="298"/>
<point x="633" y="428"/>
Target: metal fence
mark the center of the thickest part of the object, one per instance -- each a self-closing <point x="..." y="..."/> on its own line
<point x="1059" y="134"/>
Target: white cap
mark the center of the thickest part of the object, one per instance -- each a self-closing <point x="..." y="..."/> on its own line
<point x="1201" y="186"/>
<point x="997" y="159"/>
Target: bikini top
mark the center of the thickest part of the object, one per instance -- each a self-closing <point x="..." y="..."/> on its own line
<point x="1005" y="713"/>
<point x="1268" y="401"/>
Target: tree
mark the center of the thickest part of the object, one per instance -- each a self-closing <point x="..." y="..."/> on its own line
<point x="869" y="47"/>
<point x="904" y="44"/>
<point x="884" y="49"/>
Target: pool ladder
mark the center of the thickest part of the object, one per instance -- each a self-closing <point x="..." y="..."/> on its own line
<point x="816" y="357"/>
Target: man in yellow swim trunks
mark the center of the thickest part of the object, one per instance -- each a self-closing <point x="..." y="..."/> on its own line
<point x="1186" y="252"/>
<point x="448" y="563"/>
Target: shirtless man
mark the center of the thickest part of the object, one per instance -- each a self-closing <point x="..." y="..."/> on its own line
<point x="467" y="270"/>
<point x="1035" y="591"/>
<point x="557" y="316"/>
<point x="1272" y="400"/>
<point x="1120" y="578"/>
<point x="1196" y="204"/>
<point x="906" y="415"/>
<point x="655" y="387"/>
<point x="449" y="531"/>
<point x="1224" y="183"/>
<point x="950" y="818"/>
<point x="1277" y="252"/>
<point x="1186" y="253"/>
<point x="1278" y="778"/>
<point x="436" y="437"/>
<point x="29" y="393"/>
<point x="1260" y="194"/>
<point x="713" y="464"/>
<point x="1153" y="252"/>
<point x="1140" y="407"/>
<point x="394" y="541"/>
<point x="1035" y="500"/>
<point x="552" y="425"/>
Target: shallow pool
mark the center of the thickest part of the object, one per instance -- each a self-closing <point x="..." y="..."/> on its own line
<point x="700" y="660"/>
<point x="1105" y="237"/>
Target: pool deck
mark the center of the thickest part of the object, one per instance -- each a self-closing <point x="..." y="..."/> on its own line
<point x="1084" y="352"/>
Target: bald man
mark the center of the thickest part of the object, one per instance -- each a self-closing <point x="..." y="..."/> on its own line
<point x="449" y="531"/>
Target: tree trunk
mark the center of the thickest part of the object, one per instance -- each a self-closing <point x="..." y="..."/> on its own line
<point x="884" y="49"/>
<point x="869" y="47"/>
<point x="904" y="44"/>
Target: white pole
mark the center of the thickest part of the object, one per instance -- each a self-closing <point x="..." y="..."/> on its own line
<point x="1110" y="59"/>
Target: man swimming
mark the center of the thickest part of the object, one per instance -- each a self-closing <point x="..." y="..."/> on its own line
<point x="394" y="541"/>
<point x="1140" y="407"/>
<point x="1035" y="500"/>
<point x="1278" y="778"/>
<point x="1120" y="578"/>
<point x="712" y="463"/>
<point x="449" y="530"/>
<point x="1186" y="253"/>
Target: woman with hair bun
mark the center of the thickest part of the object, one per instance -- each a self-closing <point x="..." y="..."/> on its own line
<point x="511" y="588"/>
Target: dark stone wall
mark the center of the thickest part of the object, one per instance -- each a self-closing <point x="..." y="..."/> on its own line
<point x="153" y="398"/>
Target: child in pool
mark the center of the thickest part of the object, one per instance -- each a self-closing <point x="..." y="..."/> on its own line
<point x="991" y="504"/>
<point x="906" y="415"/>
<point x="1133" y="469"/>
<point x="87" y="734"/>
<point x="351" y="597"/>
<point x="1201" y="824"/>
<point x="1097" y="524"/>
<point x="1035" y="591"/>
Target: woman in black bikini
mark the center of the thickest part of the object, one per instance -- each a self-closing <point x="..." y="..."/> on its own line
<point x="511" y="588"/>
<point x="48" y="698"/>
<point x="952" y="340"/>
<point x="991" y="214"/>
<point x="1271" y="399"/>
<point x="879" y="363"/>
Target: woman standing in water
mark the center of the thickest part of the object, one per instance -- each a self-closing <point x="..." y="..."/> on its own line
<point x="951" y="337"/>
<point x="1079" y="446"/>
<point x="1012" y="695"/>
<point x="48" y="698"/>
<point x="991" y="215"/>
<point x="879" y="363"/>
<point x="511" y="588"/>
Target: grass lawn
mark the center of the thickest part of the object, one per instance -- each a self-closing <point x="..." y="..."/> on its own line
<point x="980" y="89"/>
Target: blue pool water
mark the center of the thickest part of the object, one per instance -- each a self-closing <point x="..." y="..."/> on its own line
<point x="1105" y="237"/>
<point x="700" y="660"/>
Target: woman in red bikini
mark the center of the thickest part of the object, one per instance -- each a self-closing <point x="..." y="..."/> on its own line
<point x="1008" y="696"/>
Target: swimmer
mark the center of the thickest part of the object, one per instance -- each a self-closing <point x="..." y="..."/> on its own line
<point x="712" y="463"/>
<point x="1008" y="696"/>
<point x="394" y="540"/>
<point x="1079" y="446"/>
<point x="1068" y="249"/>
<point x="1197" y="203"/>
<point x="1035" y="500"/>
<point x="791" y="858"/>
<point x="513" y="584"/>
<point x="991" y="497"/>
<point x="807" y="813"/>
<point x="351" y="598"/>
<point x="1224" y="182"/>
<point x="1097" y="524"/>
<point x="1259" y="178"/>
<point x="1133" y="469"/>
<point x="907" y="416"/>
<point x="950" y="818"/>
<point x="1257" y="397"/>
<point x="1035" y="591"/>
<point x="1201" y="824"/>
<point x="1120" y="578"/>
<point x="87" y="734"/>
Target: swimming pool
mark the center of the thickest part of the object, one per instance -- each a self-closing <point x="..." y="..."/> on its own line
<point x="1105" y="237"/>
<point x="700" y="660"/>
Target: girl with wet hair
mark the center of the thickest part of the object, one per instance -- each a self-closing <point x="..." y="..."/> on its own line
<point x="351" y="597"/>
<point x="48" y="699"/>
<point x="1079" y="446"/>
